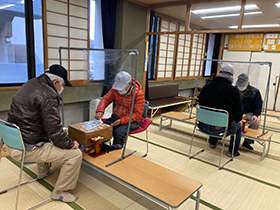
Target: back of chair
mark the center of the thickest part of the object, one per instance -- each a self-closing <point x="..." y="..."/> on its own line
<point x="212" y="116"/>
<point x="145" y="112"/>
<point x="11" y="135"/>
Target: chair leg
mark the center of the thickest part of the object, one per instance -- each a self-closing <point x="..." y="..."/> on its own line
<point x="232" y="154"/>
<point x="1" y="146"/>
<point x="147" y="141"/>
<point x="19" y="180"/>
<point x="191" y="143"/>
<point x="191" y="156"/>
<point x="6" y="190"/>
<point x="40" y="204"/>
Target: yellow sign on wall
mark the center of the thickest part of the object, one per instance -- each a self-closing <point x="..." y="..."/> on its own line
<point x="272" y="42"/>
<point x="245" y="42"/>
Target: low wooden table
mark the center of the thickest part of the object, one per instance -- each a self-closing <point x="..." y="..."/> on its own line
<point x="260" y="137"/>
<point x="181" y="117"/>
<point x="90" y="133"/>
<point x="157" y="183"/>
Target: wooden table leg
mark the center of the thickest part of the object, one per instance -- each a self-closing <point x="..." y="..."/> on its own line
<point x="96" y="146"/>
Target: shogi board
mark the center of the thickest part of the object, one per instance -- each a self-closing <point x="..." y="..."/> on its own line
<point x="86" y="133"/>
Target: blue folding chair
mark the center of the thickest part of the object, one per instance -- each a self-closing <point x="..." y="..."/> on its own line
<point x="11" y="136"/>
<point x="213" y="117"/>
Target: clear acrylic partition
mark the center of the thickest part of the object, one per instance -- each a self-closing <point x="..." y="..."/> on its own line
<point x="259" y="74"/>
<point x="87" y="66"/>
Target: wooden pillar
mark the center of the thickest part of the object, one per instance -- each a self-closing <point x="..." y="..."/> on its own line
<point x="241" y="16"/>
<point x="276" y="94"/>
<point x="146" y="50"/>
<point x="188" y="17"/>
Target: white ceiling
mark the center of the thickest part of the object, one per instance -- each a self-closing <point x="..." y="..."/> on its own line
<point x="269" y="12"/>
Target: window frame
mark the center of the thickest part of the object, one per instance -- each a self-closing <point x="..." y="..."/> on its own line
<point x="192" y="63"/>
<point x="30" y="46"/>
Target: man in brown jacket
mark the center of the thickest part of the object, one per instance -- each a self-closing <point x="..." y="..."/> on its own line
<point x="35" y="109"/>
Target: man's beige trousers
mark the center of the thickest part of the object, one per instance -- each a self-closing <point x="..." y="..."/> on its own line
<point x="71" y="160"/>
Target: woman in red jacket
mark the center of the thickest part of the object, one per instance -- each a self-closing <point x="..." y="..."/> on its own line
<point x="122" y="94"/>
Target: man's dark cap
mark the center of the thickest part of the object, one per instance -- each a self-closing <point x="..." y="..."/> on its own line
<point x="59" y="71"/>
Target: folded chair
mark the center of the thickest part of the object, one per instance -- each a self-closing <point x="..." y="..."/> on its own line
<point x="145" y="123"/>
<point x="213" y="117"/>
<point x="11" y="136"/>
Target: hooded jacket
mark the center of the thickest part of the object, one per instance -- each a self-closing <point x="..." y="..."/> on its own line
<point x="221" y="94"/>
<point x="123" y="104"/>
<point x="35" y="110"/>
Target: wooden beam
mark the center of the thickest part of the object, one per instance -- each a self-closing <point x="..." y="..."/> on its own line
<point x="226" y="31"/>
<point x="241" y="16"/>
<point x="140" y="3"/>
<point x="177" y="3"/>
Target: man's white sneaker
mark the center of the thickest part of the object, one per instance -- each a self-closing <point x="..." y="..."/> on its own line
<point x="63" y="196"/>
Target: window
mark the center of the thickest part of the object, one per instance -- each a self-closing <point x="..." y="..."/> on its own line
<point x="183" y="54"/>
<point x="96" y="41"/>
<point x="166" y="50"/>
<point x="13" y="56"/>
<point x="178" y="55"/>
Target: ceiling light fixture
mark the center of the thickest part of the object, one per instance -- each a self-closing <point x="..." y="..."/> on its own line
<point x="224" y="9"/>
<point x="277" y="4"/>
<point x="231" y="15"/>
<point x="6" y="6"/>
<point x="257" y="26"/>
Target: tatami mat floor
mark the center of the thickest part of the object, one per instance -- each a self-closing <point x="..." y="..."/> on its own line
<point x="245" y="183"/>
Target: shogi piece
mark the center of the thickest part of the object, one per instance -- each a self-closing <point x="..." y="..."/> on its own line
<point x="90" y="133"/>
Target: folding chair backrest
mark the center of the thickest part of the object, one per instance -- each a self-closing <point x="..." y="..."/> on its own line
<point x="212" y="116"/>
<point x="11" y="135"/>
<point x="145" y="112"/>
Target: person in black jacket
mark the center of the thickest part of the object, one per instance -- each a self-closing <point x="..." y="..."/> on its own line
<point x="221" y="94"/>
<point x="252" y="104"/>
<point x="35" y="110"/>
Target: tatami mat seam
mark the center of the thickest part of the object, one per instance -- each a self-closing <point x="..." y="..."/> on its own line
<point x="196" y="135"/>
<point x="43" y="182"/>
<point x="235" y="172"/>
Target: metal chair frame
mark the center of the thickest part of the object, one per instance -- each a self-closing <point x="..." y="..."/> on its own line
<point x="148" y="122"/>
<point x="213" y="117"/>
<point x="12" y="137"/>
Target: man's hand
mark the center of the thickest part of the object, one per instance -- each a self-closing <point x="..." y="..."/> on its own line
<point x="76" y="145"/>
<point x="98" y="115"/>
<point x="241" y="123"/>
<point x="117" y="122"/>
<point x="255" y="118"/>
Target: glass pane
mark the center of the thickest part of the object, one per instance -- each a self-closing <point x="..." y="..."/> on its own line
<point x="96" y="41"/>
<point x="13" y="60"/>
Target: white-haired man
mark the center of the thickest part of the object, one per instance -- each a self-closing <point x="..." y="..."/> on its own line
<point x="35" y="109"/>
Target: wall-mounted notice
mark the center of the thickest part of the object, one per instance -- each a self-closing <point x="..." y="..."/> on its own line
<point x="272" y="42"/>
<point x="245" y="42"/>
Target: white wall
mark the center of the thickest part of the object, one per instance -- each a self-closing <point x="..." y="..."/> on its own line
<point x="260" y="73"/>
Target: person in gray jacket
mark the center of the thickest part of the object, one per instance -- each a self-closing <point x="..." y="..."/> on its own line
<point x="35" y="109"/>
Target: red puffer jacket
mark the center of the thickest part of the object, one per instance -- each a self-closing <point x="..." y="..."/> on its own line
<point x="35" y="110"/>
<point x="123" y="104"/>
